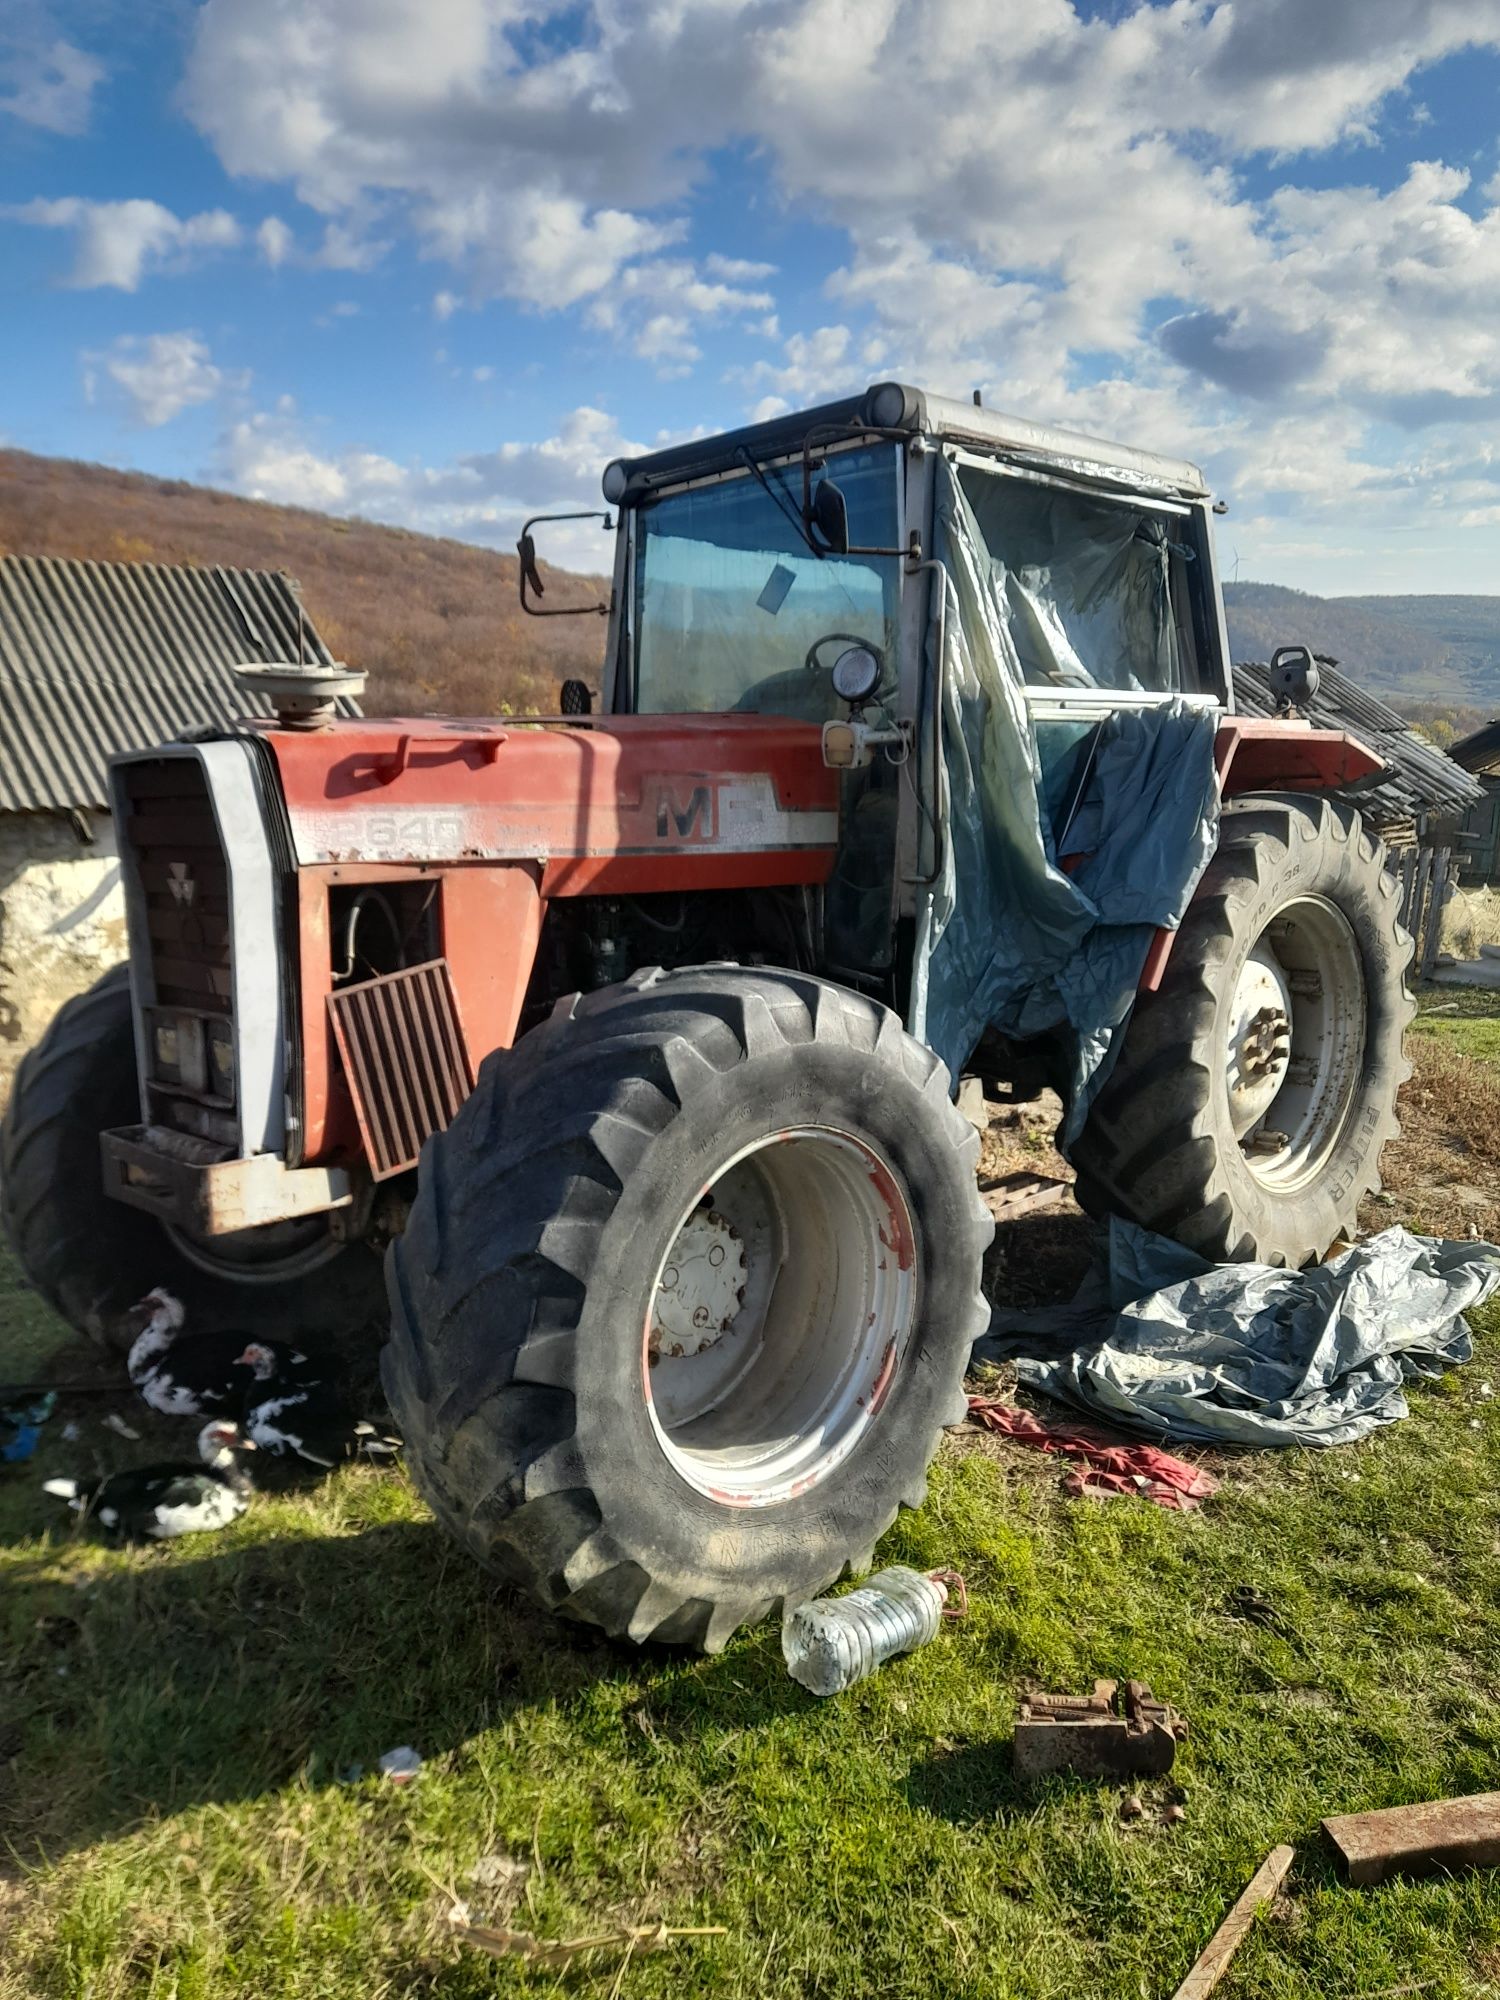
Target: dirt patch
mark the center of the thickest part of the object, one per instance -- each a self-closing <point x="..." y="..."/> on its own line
<point x="1038" y="1259"/>
<point x="1442" y="1176"/>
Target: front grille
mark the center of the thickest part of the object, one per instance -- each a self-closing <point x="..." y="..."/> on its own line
<point x="169" y="830"/>
<point x="405" y="1059"/>
<point x="185" y="878"/>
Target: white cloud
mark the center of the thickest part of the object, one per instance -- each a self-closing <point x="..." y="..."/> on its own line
<point x="1073" y="233"/>
<point x="666" y="338"/>
<point x="481" y="497"/>
<point x="161" y="374"/>
<point x="736" y="270"/>
<point x="118" y="242"/>
<point x="274" y="240"/>
<point x="541" y="247"/>
<point x="813" y="367"/>
<point x="44" y="80"/>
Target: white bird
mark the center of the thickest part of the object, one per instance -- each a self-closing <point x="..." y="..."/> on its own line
<point x="160" y="1502"/>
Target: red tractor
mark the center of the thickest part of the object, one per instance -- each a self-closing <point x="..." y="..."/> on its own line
<point x="683" y="1288"/>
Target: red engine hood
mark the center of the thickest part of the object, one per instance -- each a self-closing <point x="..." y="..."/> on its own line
<point x="695" y="791"/>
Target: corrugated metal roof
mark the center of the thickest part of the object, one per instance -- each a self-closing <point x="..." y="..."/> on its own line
<point x="101" y="657"/>
<point x="1418" y="778"/>
<point x="1479" y="752"/>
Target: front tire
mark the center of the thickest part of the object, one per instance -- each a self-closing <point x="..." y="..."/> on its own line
<point x="686" y="1298"/>
<point x="1254" y="1091"/>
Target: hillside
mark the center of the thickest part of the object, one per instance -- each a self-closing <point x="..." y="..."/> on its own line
<point x="435" y="624"/>
<point x="1438" y="649"/>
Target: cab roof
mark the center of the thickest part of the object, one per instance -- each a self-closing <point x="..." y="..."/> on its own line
<point x="895" y="406"/>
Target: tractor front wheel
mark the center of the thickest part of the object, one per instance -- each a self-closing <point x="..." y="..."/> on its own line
<point x="686" y="1298"/>
<point x="1254" y="1091"/>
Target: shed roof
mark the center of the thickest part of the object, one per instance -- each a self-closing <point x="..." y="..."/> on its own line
<point x="99" y="657"/>
<point x="1479" y="752"/>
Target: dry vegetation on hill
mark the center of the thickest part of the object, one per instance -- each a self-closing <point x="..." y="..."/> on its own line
<point x="435" y="624"/>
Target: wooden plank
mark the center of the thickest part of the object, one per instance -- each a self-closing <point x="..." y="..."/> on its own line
<point x="1443" y="1833"/>
<point x="1021" y="1193"/>
<point x="1437" y="896"/>
<point x="1261" y="1889"/>
<point x="1419" y="896"/>
<point x="1408" y="877"/>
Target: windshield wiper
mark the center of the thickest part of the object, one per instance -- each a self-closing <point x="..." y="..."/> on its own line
<point x="788" y="509"/>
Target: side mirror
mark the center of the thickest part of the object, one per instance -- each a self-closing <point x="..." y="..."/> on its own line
<point x="530" y="574"/>
<point x="829" y="514"/>
<point x="1293" y="674"/>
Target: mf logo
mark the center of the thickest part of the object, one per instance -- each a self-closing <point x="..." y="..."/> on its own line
<point x="694" y="818"/>
<point x="181" y="882"/>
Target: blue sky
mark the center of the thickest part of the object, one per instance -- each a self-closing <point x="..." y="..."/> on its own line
<point x="435" y="261"/>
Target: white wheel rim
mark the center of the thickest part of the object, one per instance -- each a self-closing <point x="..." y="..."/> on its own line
<point x="764" y="1366"/>
<point x="1295" y="1042"/>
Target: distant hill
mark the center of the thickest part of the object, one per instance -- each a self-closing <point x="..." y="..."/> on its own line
<point x="1422" y="649"/>
<point x="435" y="624"/>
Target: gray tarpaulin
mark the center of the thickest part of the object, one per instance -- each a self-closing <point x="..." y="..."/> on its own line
<point x="1161" y="1342"/>
<point x="1012" y="942"/>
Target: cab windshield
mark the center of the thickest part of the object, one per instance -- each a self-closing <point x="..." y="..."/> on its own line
<point x="730" y="603"/>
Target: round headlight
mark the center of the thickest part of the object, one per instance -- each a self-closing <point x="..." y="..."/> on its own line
<point x="616" y="479"/>
<point x="856" y="674"/>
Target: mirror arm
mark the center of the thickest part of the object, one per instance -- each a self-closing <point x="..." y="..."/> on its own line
<point x="528" y="571"/>
<point x="826" y="433"/>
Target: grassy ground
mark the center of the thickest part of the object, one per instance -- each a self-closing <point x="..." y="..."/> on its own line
<point x="178" y="1727"/>
<point x="1466" y="1018"/>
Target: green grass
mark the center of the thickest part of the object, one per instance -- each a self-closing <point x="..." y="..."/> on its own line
<point x="1466" y="1018"/>
<point x="175" y="1722"/>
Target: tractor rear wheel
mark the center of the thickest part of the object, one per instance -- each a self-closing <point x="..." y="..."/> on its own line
<point x="686" y="1298"/>
<point x="1246" y="1113"/>
<point x="90" y="1256"/>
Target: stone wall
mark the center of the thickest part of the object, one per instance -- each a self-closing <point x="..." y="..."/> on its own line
<point x="62" y="921"/>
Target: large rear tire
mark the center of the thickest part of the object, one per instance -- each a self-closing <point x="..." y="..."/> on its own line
<point x="91" y="1257"/>
<point x="686" y="1298"/>
<point x="1246" y="1113"/>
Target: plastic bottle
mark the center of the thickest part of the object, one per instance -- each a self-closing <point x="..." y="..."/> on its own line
<point x="832" y="1642"/>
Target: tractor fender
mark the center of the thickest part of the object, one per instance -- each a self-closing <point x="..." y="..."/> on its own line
<point x="1254" y="753"/>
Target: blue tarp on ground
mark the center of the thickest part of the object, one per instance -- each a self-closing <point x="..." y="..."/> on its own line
<point x="1161" y="1342"/>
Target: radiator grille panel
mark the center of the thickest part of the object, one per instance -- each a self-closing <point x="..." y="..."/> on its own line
<point x="185" y="878"/>
<point x="405" y="1060"/>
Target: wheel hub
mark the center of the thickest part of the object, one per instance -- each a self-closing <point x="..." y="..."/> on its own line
<point x="1295" y="1040"/>
<point x="702" y="1286"/>
<point x="780" y="1316"/>
<point x="1260" y="1039"/>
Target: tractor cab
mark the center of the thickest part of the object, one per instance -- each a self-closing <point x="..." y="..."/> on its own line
<point x="805" y="567"/>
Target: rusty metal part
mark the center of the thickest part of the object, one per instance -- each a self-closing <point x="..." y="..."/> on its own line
<point x="956" y="1604"/>
<point x="1210" y="1965"/>
<point x="1416" y="1840"/>
<point x="1100" y="1735"/>
<point x="1010" y="1195"/>
<point x="188" y="1183"/>
<point x="404" y="1058"/>
<point x="303" y="694"/>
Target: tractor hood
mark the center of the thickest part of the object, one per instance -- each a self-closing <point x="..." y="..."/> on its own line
<point x="609" y="803"/>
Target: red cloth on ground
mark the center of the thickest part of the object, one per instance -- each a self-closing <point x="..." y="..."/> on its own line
<point x="1113" y="1468"/>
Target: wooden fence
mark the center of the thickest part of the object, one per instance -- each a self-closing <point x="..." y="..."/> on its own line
<point x="1426" y="884"/>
